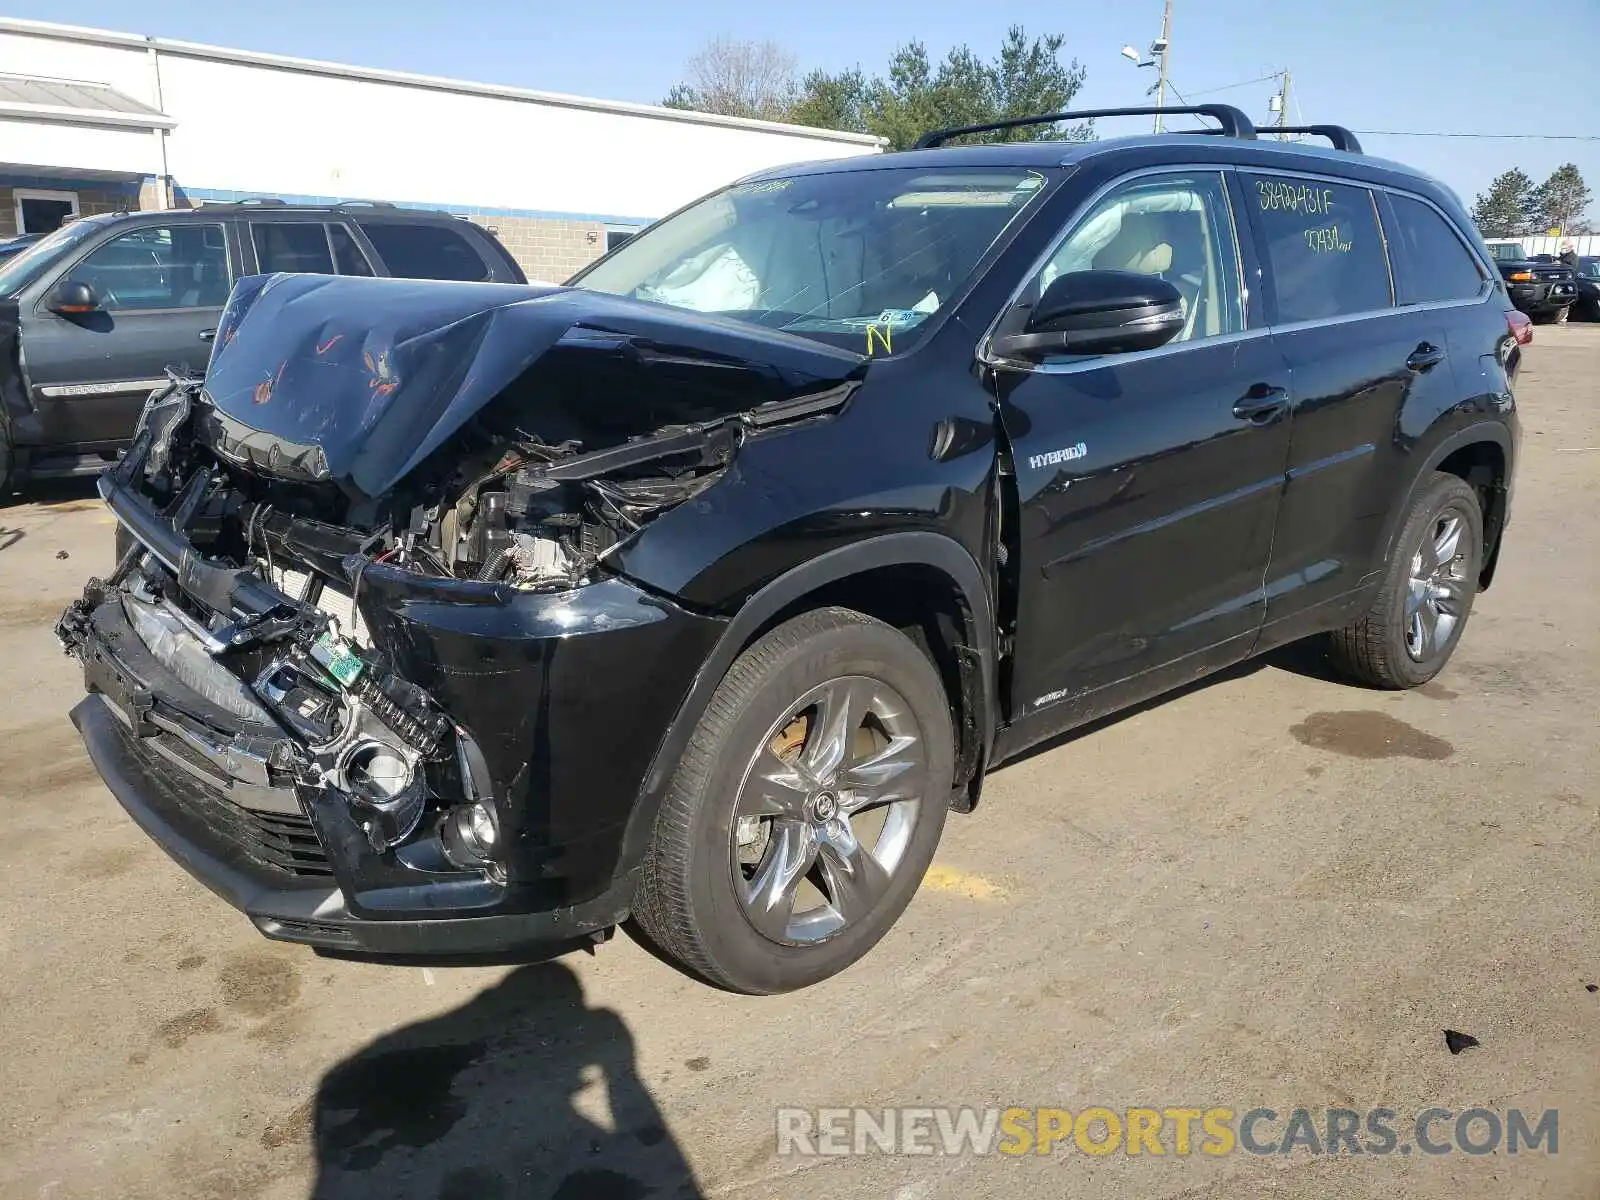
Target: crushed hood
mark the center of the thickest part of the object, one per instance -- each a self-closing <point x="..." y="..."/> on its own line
<point x="360" y="381"/>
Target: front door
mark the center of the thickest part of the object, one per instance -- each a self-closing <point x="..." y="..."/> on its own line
<point x="160" y="291"/>
<point x="1149" y="482"/>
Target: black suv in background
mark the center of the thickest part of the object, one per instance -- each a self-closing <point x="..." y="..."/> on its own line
<point x="1540" y="285"/>
<point x="452" y="619"/>
<point x="91" y="315"/>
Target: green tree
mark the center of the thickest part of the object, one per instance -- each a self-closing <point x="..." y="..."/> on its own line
<point x="912" y="96"/>
<point x="1561" y="199"/>
<point x="1507" y="209"/>
<point x="1026" y="78"/>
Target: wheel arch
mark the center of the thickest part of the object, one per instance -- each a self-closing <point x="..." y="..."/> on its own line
<point x="852" y="576"/>
<point x="1481" y="455"/>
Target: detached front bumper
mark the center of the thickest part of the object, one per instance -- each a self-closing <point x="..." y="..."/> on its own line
<point x="567" y="695"/>
<point x="187" y="821"/>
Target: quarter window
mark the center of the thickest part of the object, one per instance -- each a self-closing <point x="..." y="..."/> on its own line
<point x="1324" y="248"/>
<point x="165" y="266"/>
<point x="425" y="251"/>
<point x="1177" y="227"/>
<point x="1438" y="265"/>
<point x="292" y="246"/>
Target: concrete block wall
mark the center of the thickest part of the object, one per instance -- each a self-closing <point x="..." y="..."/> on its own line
<point x="548" y="250"/>
<point x="91" y="202"/>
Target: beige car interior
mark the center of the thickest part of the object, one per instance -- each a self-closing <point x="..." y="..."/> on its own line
<point x="1167" y="233"/>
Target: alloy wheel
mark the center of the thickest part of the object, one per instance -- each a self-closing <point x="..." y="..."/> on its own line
<point x="826" y="810"/>
<point x="1438" y="590"/>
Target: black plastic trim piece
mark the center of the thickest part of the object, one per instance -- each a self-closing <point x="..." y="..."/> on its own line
<point x="1232" y="121"/>
<point x="895" y="549"/>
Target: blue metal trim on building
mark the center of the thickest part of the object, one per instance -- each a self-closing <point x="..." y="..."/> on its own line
<point x="58" y="183"/>
<point x="195" y="195"/>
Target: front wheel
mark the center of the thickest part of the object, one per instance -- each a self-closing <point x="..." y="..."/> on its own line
<point x="805" y="809"/>
<point x="1414" y="624"/>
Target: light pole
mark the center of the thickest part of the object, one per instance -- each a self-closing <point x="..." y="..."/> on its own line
<point x="1159" y="51"/>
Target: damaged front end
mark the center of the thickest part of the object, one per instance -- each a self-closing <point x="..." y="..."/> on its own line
<point x="363" y="667"/>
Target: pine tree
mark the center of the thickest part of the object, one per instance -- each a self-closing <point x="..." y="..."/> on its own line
<point x="1561" y="199"/>
<point x="1507" y="209"/>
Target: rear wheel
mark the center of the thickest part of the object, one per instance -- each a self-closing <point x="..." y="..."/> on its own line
<point x="805" y="809"/>
<point x="1421" y="608"/>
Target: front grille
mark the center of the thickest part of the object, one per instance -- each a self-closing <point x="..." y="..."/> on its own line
<point x="281" y="841"/>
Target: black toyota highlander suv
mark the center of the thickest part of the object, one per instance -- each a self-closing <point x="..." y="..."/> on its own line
<point x="92" y="314"/>
<point x="451" y="620"/>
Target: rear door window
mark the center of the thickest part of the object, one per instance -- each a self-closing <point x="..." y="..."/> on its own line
<point x="433" y="251"/>
<point x="291" y="246"/>
<point x="1322" y="245"/>
<point x="1438" y="265"/>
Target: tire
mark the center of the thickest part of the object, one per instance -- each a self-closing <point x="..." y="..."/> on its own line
<point x="1394" y="644"/>
<point x="711" y="897"/>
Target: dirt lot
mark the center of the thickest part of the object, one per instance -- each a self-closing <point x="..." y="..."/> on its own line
<point x="1272" y="890"/>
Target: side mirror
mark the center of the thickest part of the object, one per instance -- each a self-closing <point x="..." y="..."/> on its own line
<point x="72" y="298"/>
<point x="1097" y="312"/>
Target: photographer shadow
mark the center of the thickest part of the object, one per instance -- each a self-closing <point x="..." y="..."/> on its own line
<point x="503" y="1098"/>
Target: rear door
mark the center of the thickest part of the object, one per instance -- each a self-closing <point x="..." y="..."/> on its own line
<point x="1149" y="482"/>
<point x="1355" y="359"/>
<point x="161" y="289"/>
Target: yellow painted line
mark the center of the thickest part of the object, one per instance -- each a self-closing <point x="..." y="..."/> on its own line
<point x="960" y="883"/>
<point x="105" y="519"/>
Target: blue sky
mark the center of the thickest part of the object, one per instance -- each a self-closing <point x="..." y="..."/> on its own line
<point x="1415" y="65"/>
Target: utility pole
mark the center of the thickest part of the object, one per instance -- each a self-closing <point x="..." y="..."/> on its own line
<point x="1283" y="103"/>
<point x="1166" y="48"/>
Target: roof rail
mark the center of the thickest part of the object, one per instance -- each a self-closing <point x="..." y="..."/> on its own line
<point x="1341" y="137"/>
<point x="364" y="204"/>
<point x="1232" y="121"/>
<point x="262" y="201"/>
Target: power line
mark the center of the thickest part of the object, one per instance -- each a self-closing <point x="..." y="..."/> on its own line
<point x="1232" y="86"/>
<point x="1545" y="137"/>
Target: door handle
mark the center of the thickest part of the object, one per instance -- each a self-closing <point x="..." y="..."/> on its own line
<point x="1425" y="357"/>
<point x="208" y="335"/>
<point x="1262" y="404"/>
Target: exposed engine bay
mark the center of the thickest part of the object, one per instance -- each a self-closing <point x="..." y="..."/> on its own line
<point x="243" y="552"/>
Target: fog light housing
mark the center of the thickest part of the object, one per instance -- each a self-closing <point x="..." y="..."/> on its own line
<point x="471" y="834"/>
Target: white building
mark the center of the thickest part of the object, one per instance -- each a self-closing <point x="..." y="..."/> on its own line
<point x="94" y="121"/>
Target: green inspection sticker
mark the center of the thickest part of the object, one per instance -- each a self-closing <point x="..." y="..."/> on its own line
<point x="336" y="654"/>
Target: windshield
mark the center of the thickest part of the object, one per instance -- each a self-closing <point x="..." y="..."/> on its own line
<point x="18" y="272"/>
<point x="1508" y="251"/>
<point x="1589" y="268"/>
<point x="859" y="259"/>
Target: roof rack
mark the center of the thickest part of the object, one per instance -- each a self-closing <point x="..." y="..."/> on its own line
<point x="261" y="202"/>
<point x="1232" y="121"/>
<point x="1341" y="137"/>
<point x="364" y="204"/>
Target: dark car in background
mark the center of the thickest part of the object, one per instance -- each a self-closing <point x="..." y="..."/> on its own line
<point x="1588" y="305"/>
<point x="1540" y="285"/>
<point x="92" y="315"/>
